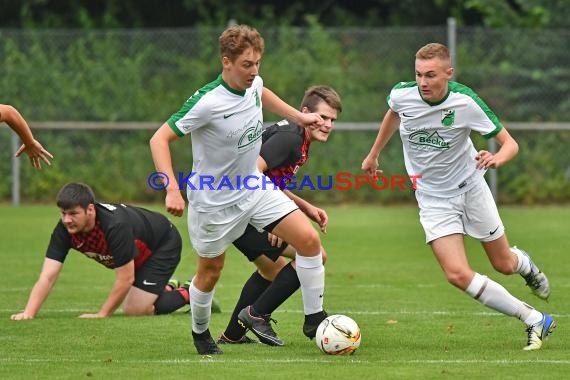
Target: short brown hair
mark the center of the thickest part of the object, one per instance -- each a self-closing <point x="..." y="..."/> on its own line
<point x="316" y="94"/>
<point x="433" y="50"/>
<point x="75" y="194"/>
<point x="237" y="38"/>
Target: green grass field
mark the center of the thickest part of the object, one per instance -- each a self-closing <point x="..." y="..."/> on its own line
<point x="414" y="325"/>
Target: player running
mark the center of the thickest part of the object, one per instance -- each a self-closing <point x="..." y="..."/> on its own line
<point x="435" y="117"/>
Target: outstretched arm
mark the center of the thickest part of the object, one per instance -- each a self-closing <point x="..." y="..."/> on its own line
<point x="389" y="125"/>
<point x="40" y="291"/>
<point x="31" y="147"/>
<point x="275" y="104"/>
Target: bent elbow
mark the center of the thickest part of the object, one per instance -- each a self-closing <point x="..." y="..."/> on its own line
<point x="515" y="147"/>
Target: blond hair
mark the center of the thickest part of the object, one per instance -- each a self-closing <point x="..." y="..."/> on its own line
<point x="434" y="50"/>
<point x="237" y="38"/>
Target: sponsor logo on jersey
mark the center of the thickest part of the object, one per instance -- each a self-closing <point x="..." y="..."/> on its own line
<point x="447" y="118"/>
<point x="103" y="259"/>
<point x="250" y="136"/>
<point x="426" y="138"/>
<point x="91" y="255"/>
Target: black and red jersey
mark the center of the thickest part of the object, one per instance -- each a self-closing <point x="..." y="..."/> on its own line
<point x="285" y="148"/>
<point x="122" y="233"/>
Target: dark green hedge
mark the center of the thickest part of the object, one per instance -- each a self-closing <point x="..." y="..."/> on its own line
<point x="145" y="75"/>
<point x="118" y="163"/>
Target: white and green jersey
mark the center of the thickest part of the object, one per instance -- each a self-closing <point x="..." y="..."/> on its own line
<point x="435" y="136"/>
<point x="225" y="127"/>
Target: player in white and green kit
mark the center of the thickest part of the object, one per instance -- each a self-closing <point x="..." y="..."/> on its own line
<point x="226" y="191"/>
<point x="435" y="117"/>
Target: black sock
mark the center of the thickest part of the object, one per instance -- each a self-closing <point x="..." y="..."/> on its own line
<point x="315" y="318"/>
<point x="169" y="302"/>
<point x="251" y="290"/>
<point x="285" y="284"/>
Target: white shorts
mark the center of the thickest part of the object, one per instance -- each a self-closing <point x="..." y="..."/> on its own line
<point x="473" y="213"/>
<point x="211" y="233"/>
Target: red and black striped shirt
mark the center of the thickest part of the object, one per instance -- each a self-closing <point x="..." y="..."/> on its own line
<point x="122" y="233"/>
<point x="285" y="149"/>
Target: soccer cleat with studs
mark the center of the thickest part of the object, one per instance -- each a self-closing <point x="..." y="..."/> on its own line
<point x="260" y="325"/>
<point x="537" y="333"/>
<point x="204" y="343"/>
<point x="312" y="322"/>
<point x="536" y="280"/>
<point x="243" y="340"/>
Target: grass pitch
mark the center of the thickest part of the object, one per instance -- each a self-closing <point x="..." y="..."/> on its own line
<point x="414" y="325"/>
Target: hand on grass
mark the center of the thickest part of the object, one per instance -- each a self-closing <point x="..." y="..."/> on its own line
<point x="21" y="316"/>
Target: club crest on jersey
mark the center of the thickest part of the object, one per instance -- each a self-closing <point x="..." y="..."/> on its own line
<point x="447" y="118"/>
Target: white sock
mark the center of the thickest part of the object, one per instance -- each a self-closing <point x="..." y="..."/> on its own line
<point x="311" y="273"/>
<point x="523" y="265"/>
<point x="200" y="305"/>
<point x="495" y="296"/>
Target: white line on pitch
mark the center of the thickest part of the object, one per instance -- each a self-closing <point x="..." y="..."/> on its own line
<point x="355" y="312"/>
<point x="216" y="360"/>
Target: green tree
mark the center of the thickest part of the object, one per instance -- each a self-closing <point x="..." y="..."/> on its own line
<point x="262" y="14"/>
<point x="522" y="13"/>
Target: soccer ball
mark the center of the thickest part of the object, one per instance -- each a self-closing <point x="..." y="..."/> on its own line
<point x="338" y="335"/>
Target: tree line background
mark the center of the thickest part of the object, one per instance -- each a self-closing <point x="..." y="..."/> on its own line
<point x="337" y="13"/>
<point x="139" y="60"/>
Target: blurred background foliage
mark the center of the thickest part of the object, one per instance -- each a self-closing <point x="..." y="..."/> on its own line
<point x="139" y="60"/>
<point x="95" y="14"/>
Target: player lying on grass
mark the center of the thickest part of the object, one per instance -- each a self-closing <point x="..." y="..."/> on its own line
<point x="435" y="117"/>
<point x="30" y="146"/>
<point x="141" y="246"/>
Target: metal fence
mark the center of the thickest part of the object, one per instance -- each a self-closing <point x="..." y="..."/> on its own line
<point x="132" y="77"/>
<point x="126" y="75"/>
<point x="492" y="176"/>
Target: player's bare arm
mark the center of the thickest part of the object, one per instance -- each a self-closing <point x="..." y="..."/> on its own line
<point x="35" y="151"/>
<point x="316" y="214"/>
<point x="48" y="277"/>
<point x="389" y="125"/>
<point x="124" y="279"/>
<point x="274" y="104"/>
<point x="509" y="149"/>
<point x="160" y="150"/>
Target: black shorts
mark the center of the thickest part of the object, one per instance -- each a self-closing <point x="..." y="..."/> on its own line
<point x="254" y="244"/>
<point x="154" y="274"/>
